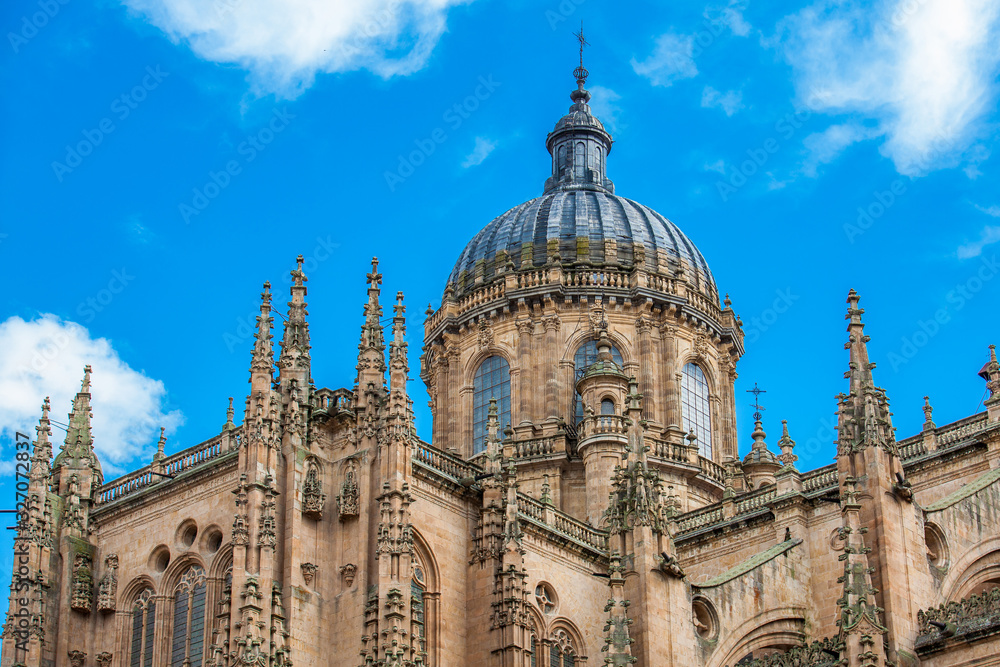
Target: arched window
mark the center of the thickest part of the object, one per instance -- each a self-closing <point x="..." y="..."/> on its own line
<point x="187" y="644"/>
<point x="586" y="355"/>
<point x="418" y="587"/>
<point x="580" y="160"/>
<point x="143" y="621"/>
<point x="695" y="408"/>
<point x="492" y="381"/>
<point x="607" y="406"/>
<point x="562" y="650"/>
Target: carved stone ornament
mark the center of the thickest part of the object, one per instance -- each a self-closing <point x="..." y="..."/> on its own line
<point x="82" y="598"/>
<point x="313" y="498"/>
<point x="347" y="572"/>
<point x="349" y="500"/>
<point x="486" y="335"/>
<point x="76" y="658"/>
<point x="104" y="659"/>
<point x="107" y="590"/>
<point x="308" y="572"/>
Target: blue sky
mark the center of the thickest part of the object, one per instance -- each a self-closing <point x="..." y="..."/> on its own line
<point x="165" y="157"/>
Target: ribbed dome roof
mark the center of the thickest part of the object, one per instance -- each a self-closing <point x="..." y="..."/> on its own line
<point x="581" y="223"/>
<point x="579" y="215"/>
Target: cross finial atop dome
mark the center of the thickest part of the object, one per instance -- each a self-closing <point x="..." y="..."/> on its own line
<point x="580" y="73"/>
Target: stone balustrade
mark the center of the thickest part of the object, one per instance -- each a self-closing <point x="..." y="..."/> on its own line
<point x="820" y="478"/>
<point x="597" y="425"/>
<point x="172" y="465"/>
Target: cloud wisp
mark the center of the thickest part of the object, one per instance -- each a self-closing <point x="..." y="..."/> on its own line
<point x="480" y="151"/>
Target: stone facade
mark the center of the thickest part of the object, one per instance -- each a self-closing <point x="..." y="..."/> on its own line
<point x="536" y="529"/>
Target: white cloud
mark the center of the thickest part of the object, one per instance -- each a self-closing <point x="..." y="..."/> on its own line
<point x="285" y="44"/>
<point x="732" y="16"/>
<point x="480" y="152"/>
<point x="670" y="61"/>
<point x="604" y="105"/>
<point x="718" y="165"/>
<point x="46" y="356"/>
<point x="824" y="147"/>
<point x="989" y="236"/>
<point x="923" y="70"/>
<point x="730" y="101"/>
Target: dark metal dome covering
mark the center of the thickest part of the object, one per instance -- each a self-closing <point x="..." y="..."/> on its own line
<point x="579" y="218"/>
<point x="583" y="225"/>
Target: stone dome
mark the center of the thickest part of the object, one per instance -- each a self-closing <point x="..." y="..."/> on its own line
<point x="579" y="220"/>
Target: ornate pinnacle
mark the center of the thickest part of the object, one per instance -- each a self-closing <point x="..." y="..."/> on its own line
<point x="230" y="413"/>
<point x="161" y="445"/>
<point x="928" y="411"/>
<point x="991" y="373"/>
<point x="617" y="642"/>
<point x="494" y="452"/>
<point x="787" y="446"/>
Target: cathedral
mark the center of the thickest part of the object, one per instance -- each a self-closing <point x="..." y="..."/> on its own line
<point x="582" y="499"/>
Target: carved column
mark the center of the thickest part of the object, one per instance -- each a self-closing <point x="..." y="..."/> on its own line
<point x="552" y="324"/>
<point x="646" y="383"/>
<point x="524" y="329"/>
<point x="670" y="374"/>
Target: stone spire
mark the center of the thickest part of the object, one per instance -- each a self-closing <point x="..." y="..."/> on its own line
<point x="865" y="410"/>
<point x="294" y="362"/>
<point x="617" y="642"/>
<point x="41" y="455"/>
<point x="869" y="468"/>
<point x="510" y="618"/>
<point x="861" y="630"/>
<point x="28" y="618"/>
<point x="77" y="451"/>
<point x="388" y="638"/>
<point x="262" y="360"/>
<point x="371" y="349"/>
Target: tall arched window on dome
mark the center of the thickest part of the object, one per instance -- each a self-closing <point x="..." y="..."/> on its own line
<point x="580" y="160"/>
<point x="187" y="644"/>
<point x="695" y="408"/>
<point x="492" y="380"/>
<point x="586" y="355"/>
<point x="143" y="617"/>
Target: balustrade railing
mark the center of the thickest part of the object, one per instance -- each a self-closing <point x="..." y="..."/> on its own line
<point x="756" y="501"/>
<point x="965" y="429"/>
<point x="702" y="518"/>
<point x="666" y="450"/>
<point x="524" y="449"/>
<point x="819" y="479"/>
<point x="712" y="470"/>
<point x="603" y="425"/>
<point x="172" y="465"/>
<point x="444" y="463"/>
<point x="607" y="279"/>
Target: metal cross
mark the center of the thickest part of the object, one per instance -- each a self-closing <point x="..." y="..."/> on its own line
<point x="756" y="391"/>
<point x="580" y="73"/>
